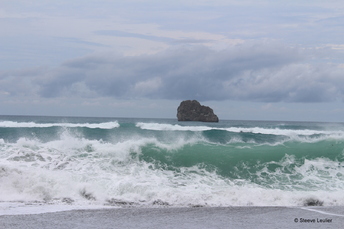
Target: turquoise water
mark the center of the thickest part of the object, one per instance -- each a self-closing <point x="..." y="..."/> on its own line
<point x="146" y="162"/>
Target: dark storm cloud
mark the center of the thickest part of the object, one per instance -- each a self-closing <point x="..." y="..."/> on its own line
<point x="251" y="72"/>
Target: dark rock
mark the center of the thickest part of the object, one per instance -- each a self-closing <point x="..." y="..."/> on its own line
<point x="313" y="202"/>
<point x="192" y="110"/>
<point x="87" y="195"/>
<point x="115" y="202"/>
<point x="67" y="200"/>
<point x="197" y="206"/>
<point x="160" y="202"/>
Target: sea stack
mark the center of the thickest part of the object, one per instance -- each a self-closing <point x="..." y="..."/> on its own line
<point x="192" y="110"/>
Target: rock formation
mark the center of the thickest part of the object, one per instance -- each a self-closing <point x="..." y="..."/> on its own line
<point x="192" y="110"/>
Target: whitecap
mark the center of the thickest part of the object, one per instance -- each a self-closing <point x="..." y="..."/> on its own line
<point x="104" y="125"/>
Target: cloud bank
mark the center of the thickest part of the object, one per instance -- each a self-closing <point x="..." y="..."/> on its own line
<point x="259" y="72"/>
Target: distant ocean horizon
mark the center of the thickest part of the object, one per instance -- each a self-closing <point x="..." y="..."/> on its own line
<point x="142" y="162"/>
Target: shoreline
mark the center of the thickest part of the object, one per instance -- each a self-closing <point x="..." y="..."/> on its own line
<point x="202" y="217"/>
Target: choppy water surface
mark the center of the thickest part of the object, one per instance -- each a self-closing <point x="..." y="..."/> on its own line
<point x="157" y="162"/>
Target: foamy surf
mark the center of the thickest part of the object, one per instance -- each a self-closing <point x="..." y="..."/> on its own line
<point x="11" y="124"/>
<point x="167" y="164"/>
<point x="255" y="130"/>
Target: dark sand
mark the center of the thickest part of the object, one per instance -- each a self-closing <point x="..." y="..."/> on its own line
<point x="227" y="217"/>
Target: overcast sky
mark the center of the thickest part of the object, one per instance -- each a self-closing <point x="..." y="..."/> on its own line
<point x="247" y="59"/>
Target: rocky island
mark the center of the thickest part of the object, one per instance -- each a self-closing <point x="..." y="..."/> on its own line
<point x="192" y="110"/>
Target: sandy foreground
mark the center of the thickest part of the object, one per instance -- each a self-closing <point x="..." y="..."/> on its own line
<point x="206" y="217"/>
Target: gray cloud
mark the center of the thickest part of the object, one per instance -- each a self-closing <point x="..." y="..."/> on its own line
<point x="117" y="33"/>
<point x="251" y="72"/>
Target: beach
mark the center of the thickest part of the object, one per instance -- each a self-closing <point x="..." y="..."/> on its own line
<point x="206" y="217"/>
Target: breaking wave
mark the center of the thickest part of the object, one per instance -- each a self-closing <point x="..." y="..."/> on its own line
<point x="162" y="163"/>
<point x="11" y="124"/>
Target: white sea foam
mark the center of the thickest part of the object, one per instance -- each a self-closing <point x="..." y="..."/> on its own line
<point x="128" y="167"/>
<point x="104" y="125"/>
<point x="170" y="127"/>
<point x="286" y="132"/>
<point x="22" y="208"/>
<point x="293" y="133"/>
<point x="74" y="171"/>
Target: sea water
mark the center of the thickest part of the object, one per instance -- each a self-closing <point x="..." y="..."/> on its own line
<point x="92" y="162"/>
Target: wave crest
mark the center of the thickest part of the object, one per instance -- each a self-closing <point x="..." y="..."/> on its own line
<point x="104" y="125"/>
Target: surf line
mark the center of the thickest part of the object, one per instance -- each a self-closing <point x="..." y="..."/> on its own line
<point x="322" y="212"/>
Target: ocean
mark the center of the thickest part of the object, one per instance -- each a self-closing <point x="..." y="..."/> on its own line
<point x="80" y="162"/>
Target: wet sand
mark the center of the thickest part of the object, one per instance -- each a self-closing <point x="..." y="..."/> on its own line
<point x="226" y="217"/>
